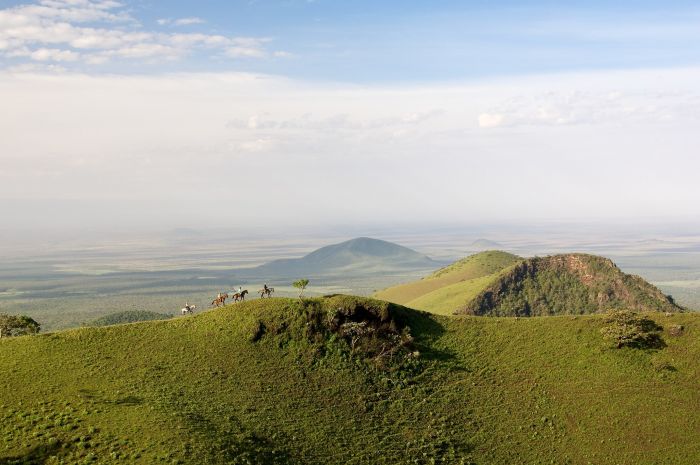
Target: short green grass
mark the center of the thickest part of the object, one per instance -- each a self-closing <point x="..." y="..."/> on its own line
<point x="198" y="390"/>
<point x="449" y="288"/>
<point x="445" y="300"/>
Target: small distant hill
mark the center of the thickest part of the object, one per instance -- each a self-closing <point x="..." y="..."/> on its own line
<point x="362" y="255"/>
<point x="566" y="284"/>
<point x="485" y="244"/>
<point x="451" y="287"/>
<point x="129" y="316"/>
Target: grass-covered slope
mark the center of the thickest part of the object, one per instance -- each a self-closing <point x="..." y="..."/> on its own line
<point x="450" y="288"/>
<point x="566" y="284"/>
<point x="276" y="381"/>
<point x="128" y="316"/>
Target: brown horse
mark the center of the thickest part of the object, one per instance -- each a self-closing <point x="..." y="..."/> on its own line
<point x="220" y="299"/>
<point x="239" y="296"/>
<point x="266" y="291"/>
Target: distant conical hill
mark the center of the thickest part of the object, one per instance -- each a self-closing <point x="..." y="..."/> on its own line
<point x="566" y="284"/>
<point x="451" y="287"/>
<point x="361" y="255"/>
<point x="485" y="244"/>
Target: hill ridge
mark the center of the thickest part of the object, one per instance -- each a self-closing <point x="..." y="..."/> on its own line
<point x="449" y="287"/>
<point x="572" y="283"/>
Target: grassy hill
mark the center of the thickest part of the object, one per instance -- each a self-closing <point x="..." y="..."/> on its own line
<point x="566" y="284"/>
<point x="128" y="316"/>
<point x="451" y="287"/>
<point x="362" y="255"/>
<point x="276" y="381"/>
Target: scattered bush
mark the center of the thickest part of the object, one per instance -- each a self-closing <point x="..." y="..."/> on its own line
<point x="17" y="325"/>
<point x="629" y="329"/>
<point x="365" y="328"/>
<point x="676" y="330"/>
<point x="662" y="366"/>
<point x="369" y="327"/>
<point x="129" y="316"/>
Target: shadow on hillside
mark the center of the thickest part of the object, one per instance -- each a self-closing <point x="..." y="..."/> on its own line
<point x="128" y="400"/>
<point x="36" y="456"/>
<point x="426" y="331"/>
<point x="96" y="396"/>
<point x="235" y="443"/>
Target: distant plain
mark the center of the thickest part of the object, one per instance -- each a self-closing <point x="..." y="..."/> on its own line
<point x="69" y="283"/>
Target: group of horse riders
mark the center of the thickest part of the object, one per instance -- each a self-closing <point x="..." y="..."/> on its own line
<point x="266" y="291"/>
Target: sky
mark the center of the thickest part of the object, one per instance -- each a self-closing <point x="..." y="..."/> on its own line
<point x="274" y="114"/>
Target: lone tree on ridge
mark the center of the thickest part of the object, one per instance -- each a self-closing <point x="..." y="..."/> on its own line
<point x="301" y="285"/>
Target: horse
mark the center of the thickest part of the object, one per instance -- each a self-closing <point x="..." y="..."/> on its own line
<point x="239" y="296"/>
<point x="266" y="292"/>
<point x="188" y="309"/>
<point x="220" y="299"/>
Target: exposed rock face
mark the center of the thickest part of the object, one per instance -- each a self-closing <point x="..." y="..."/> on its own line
<point x="567" y="284"/>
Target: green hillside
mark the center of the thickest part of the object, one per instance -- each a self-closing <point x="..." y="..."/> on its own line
<point x="128" y="316"/>
<point x="276" y="381"/>
<point x="451" y="287"/>
<point x="566" y="284"/>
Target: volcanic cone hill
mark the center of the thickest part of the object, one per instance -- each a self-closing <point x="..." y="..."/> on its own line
<point x="362" y="255"/>
<point x="566" y="284"/>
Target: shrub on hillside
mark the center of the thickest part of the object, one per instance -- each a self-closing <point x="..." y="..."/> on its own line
<point x="629" y="329"/>
<point x="129" y="316"/>
<point x="358" y="327"/>
<point x="676" y="330"/>
<point x="368" y="327"/>
<point x="17" y="325"/>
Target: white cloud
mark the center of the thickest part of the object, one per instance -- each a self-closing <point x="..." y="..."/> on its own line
<point x="188" y="21"/>
<point x="50" y="54"/>
<point x="580" y="145"/>
<point x="557" y="107"/>
<point x="490" y="120"/>
<point x="181" y="21"/>
<point x="96" y="31"/>
<point x="256" y="145"/>
<point x="247" y="47"/>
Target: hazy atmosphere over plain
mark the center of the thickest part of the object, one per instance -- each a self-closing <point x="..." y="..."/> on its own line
<point x="113" y="113"/>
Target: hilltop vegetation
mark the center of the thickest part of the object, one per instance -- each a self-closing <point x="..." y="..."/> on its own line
<point x="17" y="325"/>
<point x="453" y="286"/>
<point x="129" y="316"/>
<point x="497" y="283"/>
<point x="566" y="284"/>
<point x="280" y="381"/>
